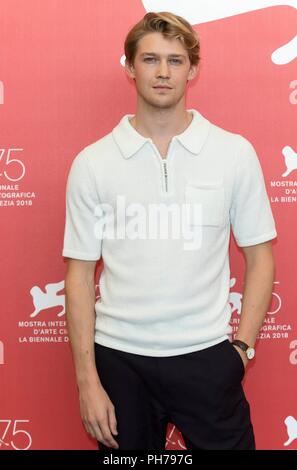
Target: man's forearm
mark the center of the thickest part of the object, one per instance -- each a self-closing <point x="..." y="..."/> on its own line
<point x="80" y="316"/>
<point x="258" y="285"/>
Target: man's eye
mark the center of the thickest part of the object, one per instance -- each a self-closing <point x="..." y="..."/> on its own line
<point x="175" y="61"/>
<point x="149" y="59"/>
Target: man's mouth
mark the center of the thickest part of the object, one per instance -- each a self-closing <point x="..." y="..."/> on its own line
<point x="162" y="87"/>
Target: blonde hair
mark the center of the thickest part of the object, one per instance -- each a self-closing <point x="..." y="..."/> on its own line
<point x="171" y="26"/>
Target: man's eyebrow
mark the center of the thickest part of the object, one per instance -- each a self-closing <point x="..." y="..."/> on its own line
<point x="154" y="54"/>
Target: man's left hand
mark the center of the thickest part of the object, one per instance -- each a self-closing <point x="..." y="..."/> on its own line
<point x="242" y="355"/>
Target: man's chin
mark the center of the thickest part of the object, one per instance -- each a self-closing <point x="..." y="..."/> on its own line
<point x="162" y="103"/>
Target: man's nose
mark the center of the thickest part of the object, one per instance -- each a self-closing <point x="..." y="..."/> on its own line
<point x="163" y="69"/>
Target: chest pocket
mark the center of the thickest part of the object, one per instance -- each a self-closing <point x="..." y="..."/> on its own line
<point x="205" y="202"/>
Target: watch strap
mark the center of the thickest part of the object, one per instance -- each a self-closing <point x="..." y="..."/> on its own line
<point x="240" y="344"/>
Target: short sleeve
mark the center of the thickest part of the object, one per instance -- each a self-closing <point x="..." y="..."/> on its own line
<point x="250" y="213"/>
<point x="80" y="240"/>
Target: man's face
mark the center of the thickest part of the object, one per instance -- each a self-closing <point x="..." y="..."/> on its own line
<point x="161" y="62"/>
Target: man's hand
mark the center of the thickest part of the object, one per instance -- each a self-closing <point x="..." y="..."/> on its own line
<point x="98" y="414"/>
<point x="242" y="355"/>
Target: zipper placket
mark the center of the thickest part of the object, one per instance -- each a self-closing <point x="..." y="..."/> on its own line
<point x="164" y="163"/>
<point x="165" y="176"/>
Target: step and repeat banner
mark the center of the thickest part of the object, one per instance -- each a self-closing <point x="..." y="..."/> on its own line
<point x="62" y="87"/>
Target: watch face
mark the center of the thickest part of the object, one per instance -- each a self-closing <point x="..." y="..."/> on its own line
<point x="250" y="352"/>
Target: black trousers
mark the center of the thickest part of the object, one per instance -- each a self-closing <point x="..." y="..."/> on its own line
<point x="199" y="392"/>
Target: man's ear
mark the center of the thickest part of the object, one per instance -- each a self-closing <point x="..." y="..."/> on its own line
<point x="192" y="72"/>
<point x="130" y="70"/>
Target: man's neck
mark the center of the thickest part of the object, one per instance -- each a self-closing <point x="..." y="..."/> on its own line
<point x="161" y="124"/>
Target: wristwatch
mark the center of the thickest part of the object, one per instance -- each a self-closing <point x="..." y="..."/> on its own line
<point x="250" y="352"/>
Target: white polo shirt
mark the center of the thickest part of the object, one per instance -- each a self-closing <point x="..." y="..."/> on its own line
<point x="165" y="296"/>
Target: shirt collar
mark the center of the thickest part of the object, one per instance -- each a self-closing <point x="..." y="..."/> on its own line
<point x="192" y="138"/>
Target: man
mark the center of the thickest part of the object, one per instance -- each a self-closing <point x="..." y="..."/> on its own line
<point x="158" y="349"/>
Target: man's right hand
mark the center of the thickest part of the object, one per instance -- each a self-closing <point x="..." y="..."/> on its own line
<point x="98" y="414"/>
